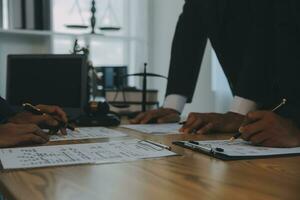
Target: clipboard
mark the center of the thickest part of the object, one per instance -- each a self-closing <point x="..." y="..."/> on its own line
<point x="221" y="152"/>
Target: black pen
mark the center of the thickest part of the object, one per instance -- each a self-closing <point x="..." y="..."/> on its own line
<point x="247" y="121"/>
<point x="193" y="142"/>
<point x="34" y="110"/>
<point x="157" y="144"/>
<point x="197" y="143"/>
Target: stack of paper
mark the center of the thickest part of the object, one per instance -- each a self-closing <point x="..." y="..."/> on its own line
<point x="88" y="133"/>
<point x="94" y="153"/>
<point x="155" y="128"/>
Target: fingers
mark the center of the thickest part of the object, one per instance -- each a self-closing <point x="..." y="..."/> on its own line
<point x="54" y="110"/>
<point x="27" y="128"/>
<point x="33" y="129"/>
<point x="149" y="116"/>
<point x="156" y="114"/>
<point x="31" y="138"/>
<point x="170" y="118"/>
<point x="159" y="114"/>
<point x="15" y="134"/>
<point x="138" y="118"/>
<point x="193" y="123"/>
<point x="63" y="131"/>
<point x="41" y="134"/>
<point x="256" y="115"/>
<point x="199" y="127"/>
<point x="259" y="138"/>
<point x="263" y="121"/>
<point x="206" y="129"/>
<point x="47" y="120"/>
<point x="250" y="129"/>
<point x="190" y="120"/>
<point x="271" y="143"/>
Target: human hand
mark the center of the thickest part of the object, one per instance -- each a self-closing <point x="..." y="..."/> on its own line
<point x="19" y="134"/>
<point x="53" y="119"/>
<point x="202" y="123"/>
<point x="161" y="115"/>
<point x="270" y="130"/>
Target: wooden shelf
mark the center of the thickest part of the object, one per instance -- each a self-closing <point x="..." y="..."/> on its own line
<point x="38" y="33"/>
<point x="32" y="32"/>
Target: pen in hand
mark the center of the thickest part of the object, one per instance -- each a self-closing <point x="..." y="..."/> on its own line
<point x="34" y="110"/>
<point x="247" y="121"/>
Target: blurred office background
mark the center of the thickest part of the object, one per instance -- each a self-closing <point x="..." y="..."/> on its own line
<point x="128" y="33"/>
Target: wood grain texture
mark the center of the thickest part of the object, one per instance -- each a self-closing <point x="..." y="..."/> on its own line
<point x="190" y="176"/>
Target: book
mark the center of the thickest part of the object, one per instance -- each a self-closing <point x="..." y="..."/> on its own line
<point x="236" y="150"/>
<point x="130" y="95"/>
<point x="130" y="107"/>
<point x="1" y="14"/>
<point x="29" y="14"/>
<point x="130" y="100"/>
<point x="15" y="19"/>
<point x="37" y="14"/>
<point x="155" y="129"/>
<point x="42" y="14"/>
<point x="46" y="7"/>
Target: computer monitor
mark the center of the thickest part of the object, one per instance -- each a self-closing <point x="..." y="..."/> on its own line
<point x="114" y="77"/>
<point x="48" y="79"/>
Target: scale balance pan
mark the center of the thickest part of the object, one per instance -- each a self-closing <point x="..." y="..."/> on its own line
<point x="110" y="28"/>
<point x="77" y="26"/>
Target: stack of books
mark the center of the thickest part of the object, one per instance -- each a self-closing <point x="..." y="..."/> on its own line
<point x="130" y="100"/>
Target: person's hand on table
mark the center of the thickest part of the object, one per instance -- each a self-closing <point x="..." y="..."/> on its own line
<point x="20" y="134"/>
<point x="161" y="115"/>
<point x="270" y="130"/>
<point x="53" y="118"/>
<point x="203" y="123"/>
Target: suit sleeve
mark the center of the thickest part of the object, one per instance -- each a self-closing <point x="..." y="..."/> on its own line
<point x="187" y="51"/>
<point x="5" y="110"/>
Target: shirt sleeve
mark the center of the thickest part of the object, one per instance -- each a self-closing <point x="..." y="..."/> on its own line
<point x="175" y="102"/>
<point x="242" y="106"/>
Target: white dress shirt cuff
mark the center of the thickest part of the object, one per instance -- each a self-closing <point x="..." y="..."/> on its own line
<point x="242" y="106"/>
<point x="175" y="101"/>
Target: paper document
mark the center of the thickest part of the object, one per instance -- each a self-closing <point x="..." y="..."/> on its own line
<point x="240" y="147"/>
<point x="155" y="128"/>
<point x="88" y="133"/>
<point x="94" y="153"/>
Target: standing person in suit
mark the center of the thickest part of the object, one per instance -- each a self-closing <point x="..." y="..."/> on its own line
<point x="24" y="127"/>
<point x="273" y="57"/>
<point x="227" y="24"/>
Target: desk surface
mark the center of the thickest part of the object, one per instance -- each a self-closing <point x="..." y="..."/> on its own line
<point x="191" y="176"/>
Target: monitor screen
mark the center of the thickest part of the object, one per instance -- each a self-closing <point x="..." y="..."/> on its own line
<point x="47" y="79"/>
<point x="114" y="77"/>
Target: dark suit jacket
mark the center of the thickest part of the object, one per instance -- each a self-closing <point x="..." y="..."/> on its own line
<point x="274" y="58"/>
<point x="226" y="23"/>
<point x="5" y="110"/>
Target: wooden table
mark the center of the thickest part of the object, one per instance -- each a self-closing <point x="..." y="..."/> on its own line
<point x="190" y="176"/>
